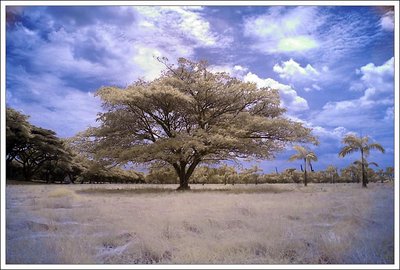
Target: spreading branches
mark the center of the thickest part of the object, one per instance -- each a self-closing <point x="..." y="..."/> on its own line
<point x="189" y="115"/>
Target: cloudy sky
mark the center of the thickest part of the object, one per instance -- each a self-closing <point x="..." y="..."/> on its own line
<point x="333" y="66"/>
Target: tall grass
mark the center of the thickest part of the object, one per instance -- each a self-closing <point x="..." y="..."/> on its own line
<point x="267" y="224"/>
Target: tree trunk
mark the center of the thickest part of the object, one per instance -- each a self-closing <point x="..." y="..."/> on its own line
<point x="305" y="172"/>
<point x="364" y="179"/>
<point x="27" y="172"/>
<point x="183" y="180"/>
<point x="183" y="183"/>
<point x="184" y="174"/>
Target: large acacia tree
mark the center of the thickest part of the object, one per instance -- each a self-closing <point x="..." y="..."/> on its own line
<point x="190" y="115"/>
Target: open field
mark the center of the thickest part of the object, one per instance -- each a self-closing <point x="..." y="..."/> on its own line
<point x="212" y="224"/>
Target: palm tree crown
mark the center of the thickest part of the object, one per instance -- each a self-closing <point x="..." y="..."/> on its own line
<point x="303" y="153"/>
<point x="355" y="144"/>
<point x="306" y="155"/>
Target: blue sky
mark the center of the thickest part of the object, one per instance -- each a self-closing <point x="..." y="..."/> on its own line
<point x="333" y="65"/>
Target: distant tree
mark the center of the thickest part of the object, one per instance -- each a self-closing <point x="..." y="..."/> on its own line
<point x="250" y="175"/>
<point x="381" y="174"/>
<point x="306" y="155"/>
<point x="292" y="174"/>
<point x="390" y="173"/>
<point x="63" y="164"/>
<point x="36" y="150"/>
<point x="332" y="172"/>
<point x="42" y="147"/>
<point x="18" y="131"/>
<point x="159" y="174"/>
<point x="362" y="144"/>
<point x="351" y="172"/>
<point x="188" y="116"/>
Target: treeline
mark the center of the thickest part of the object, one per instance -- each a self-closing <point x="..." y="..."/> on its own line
<point x="230" y="175"/>
<point x="37" y="154"/>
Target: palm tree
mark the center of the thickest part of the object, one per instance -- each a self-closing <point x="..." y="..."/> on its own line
<point x="306" y="155"/>
<point x="354" y="144"/>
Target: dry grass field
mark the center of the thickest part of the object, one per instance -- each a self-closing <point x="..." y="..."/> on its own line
<point x="212" y="224"/>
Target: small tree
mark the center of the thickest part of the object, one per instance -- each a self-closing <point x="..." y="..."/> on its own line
<point x="189" y="116"/>
<point x="351" y="172"/>
<point x="251" y="175"/>
<point x="332" y="173"/>
<point x="362" y="144"/>
<point x="306" y="155"/>
<point x="389" y="172"/>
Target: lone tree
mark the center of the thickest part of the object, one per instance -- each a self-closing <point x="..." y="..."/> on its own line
<point x="354" y="144"/>
<point x="190" y="115"/>
<point x="306" y="155"/>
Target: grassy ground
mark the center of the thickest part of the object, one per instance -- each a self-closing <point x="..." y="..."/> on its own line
<point x="212" y="224"/>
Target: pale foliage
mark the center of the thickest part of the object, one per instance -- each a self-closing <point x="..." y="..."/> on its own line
<point x="303" y="154"/>
<point x="190" y="115"/>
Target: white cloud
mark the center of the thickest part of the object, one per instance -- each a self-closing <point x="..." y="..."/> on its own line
<point x="120" y="53"/>
<point x="303" y="77"/>
<point x="292" y="70"/>
<point x="297" y="43"/>
<point x="387" y="21"/>
<point x="316" y="87"/>
<point x="237" y="71"/>
<point x="66" y="109"/>
<point x="182" y="22"/>
<point x="379" y="81"/>
<point x="289" y="97"/>
<point x="371" y="108"/>
<point x="145" y="58"/>
<point x="389" y="115"/>
<point x="336" y="133"/>
<point x="284" y="30"/>
<point x="310" y="32"/>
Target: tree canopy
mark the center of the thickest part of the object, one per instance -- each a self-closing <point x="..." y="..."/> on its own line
<point x="190" y="115"/>
<point x="32" y="147"/>
<point x="18" y="131"/>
